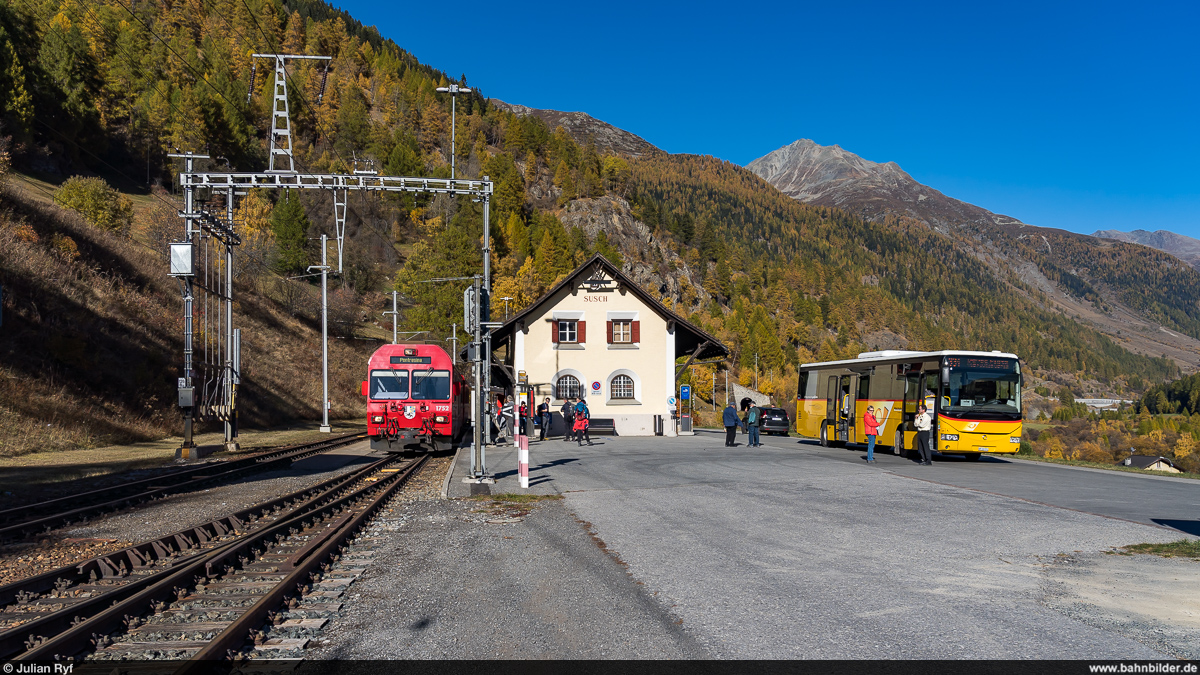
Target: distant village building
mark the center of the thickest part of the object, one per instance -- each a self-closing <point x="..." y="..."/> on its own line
<point x="1102" y="404"/>
<point x="1150" y="463"/>
<point x="599" y="335"/>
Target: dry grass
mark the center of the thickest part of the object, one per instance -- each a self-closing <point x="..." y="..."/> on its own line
<point x="92" y="340"/>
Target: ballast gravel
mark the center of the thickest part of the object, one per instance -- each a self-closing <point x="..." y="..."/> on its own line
<point x="115" y="531"/>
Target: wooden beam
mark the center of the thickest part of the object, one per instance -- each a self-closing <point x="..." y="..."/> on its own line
<point x="690" y="359"/>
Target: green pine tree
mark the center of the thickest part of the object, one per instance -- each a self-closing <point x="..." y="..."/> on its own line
<point x="290" y="224"/>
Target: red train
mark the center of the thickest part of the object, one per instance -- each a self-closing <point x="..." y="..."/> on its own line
<point x="415" y="399"/>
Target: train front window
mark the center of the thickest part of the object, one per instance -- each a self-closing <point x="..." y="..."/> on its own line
<point x="389" y="384"/>
<point x="984" y="387"/>
<point x="431" y="385"/>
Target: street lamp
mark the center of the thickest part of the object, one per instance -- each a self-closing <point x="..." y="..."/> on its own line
<point x="454" y="90"/>
<point x="505" y="299"/>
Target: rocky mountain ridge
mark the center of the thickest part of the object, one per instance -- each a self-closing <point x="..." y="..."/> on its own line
<point x="1136" y="296"/>
<point x="831" y="176"/>
<point x="582" y="127"/>
<point x="1186" y="249"/>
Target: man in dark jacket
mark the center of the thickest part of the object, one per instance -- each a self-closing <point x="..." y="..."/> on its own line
<point x="543" y="413"/>
<point x="730" y="419"/>
<point x="568" y="415"/>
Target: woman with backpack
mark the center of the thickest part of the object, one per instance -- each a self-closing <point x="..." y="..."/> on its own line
<point x="582" y="416"/>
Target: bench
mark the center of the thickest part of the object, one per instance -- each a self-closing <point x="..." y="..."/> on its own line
<point x="602" y="426"/>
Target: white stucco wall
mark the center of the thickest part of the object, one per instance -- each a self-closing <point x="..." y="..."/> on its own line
<point x="650" y="363"/>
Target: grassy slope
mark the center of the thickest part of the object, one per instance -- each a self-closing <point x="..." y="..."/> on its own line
<point x="92" y="342"/>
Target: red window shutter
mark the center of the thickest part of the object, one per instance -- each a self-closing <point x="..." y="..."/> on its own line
<point x="635" y="332"/>
<point x="610" y="332"/>
<point x="554" y="331"/>
<point x="582" y="333"/>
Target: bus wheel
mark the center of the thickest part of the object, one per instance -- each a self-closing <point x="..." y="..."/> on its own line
<point x="824" y="434"/>
<point x="898" y="446"/>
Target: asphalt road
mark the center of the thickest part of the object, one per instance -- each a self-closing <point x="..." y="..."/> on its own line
<point x="796" y="551"/>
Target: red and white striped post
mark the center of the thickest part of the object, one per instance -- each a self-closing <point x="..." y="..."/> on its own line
<point x="523" y="461"/>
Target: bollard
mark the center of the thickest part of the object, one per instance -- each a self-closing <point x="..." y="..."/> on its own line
<point x="523" y="461"/>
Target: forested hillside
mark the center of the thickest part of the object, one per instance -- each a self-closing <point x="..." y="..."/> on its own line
<point x="109" y="87"/>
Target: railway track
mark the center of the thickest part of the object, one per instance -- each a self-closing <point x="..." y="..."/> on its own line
<point x="32" y="519"/>
<point x="207" y="592"/>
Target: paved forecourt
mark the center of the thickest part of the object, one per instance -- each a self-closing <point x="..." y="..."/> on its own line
<point x="795" y="551"/>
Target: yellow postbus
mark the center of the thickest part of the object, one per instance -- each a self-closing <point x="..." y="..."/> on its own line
<point x="973" y="397"/>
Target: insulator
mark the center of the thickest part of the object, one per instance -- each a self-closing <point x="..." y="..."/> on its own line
<point x="324" y="78"/>
<point x="250" y="91"/>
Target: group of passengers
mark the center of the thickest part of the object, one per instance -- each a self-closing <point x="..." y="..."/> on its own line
<point x="575" y="414"/>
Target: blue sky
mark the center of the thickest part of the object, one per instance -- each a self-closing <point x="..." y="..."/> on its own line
<point x="1075" y="115"/>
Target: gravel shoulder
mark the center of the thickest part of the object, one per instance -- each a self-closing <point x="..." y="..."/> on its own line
<point x="444" y="583"/>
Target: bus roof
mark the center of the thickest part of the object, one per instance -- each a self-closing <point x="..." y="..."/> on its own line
<point x="900" y="355"/>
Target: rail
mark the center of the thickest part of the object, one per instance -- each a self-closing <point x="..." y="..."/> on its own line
<point x="21" y="521"/>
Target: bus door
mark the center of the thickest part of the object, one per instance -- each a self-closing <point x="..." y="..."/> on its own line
<point x="929" y="389"/>
<point x="912" y="396"/>
<point x="847" y="387"/>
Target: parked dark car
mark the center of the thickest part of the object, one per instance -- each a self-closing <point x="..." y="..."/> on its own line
<point x="775" y="421"/>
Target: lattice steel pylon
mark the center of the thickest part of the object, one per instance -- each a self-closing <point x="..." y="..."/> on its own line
<point x="281" y="122"/>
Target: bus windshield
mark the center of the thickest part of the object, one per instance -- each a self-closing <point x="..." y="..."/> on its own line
<point x="431" y="385"/>
<point x="389" y="384"/>
<point x="982" y="387"/>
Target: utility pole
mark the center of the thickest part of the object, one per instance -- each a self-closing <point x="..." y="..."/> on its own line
<point x="454" y="344"/>
<point x="231" y="440"/>
<point x="756" y="371"/>
<point x="188" y="447"/>
<point x="324" y="267"/>
<point x="505" y="299"/>
<point x="454" y="90"/>
<point x="394" y="314"/>
<point x="726" y="385"/>
<point x="714" y="391"/>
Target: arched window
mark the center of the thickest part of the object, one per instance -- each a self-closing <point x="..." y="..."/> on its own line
<point x="567" y="387"/>
<point x="622" y="387"/>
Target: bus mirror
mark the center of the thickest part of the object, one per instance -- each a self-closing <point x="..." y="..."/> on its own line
<point x="364" y="388"/>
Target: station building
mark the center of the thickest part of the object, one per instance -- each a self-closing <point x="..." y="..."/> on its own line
<point x="599" y="335"/>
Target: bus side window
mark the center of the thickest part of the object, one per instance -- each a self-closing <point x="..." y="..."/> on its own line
<point x="864" y="387"/>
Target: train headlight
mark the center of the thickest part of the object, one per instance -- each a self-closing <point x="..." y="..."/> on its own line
<point x="441" y="419"/>
<point x="949" y="437"/>
<point x="376" y="419"/>
<point x="1014" y="439"/>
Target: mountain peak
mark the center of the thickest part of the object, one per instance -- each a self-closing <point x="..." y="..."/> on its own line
<point x="832" y="176"/>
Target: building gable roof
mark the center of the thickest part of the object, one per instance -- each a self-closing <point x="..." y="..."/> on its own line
<point x="1145" y="461"/>
<point x="688" y="336"/>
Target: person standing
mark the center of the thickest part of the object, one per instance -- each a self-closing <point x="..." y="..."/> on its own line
<point x="729" y="418"/>
<point x="504" y="423"/>
<point x="924" y="423"/>
<point x="753" y="421"/>
<point x="568" y="414"/>
<point x="582" y="417"/>
<point x="524" y="411"/>
<point x="871" y="429"/>
<point x="543" y="413"/>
